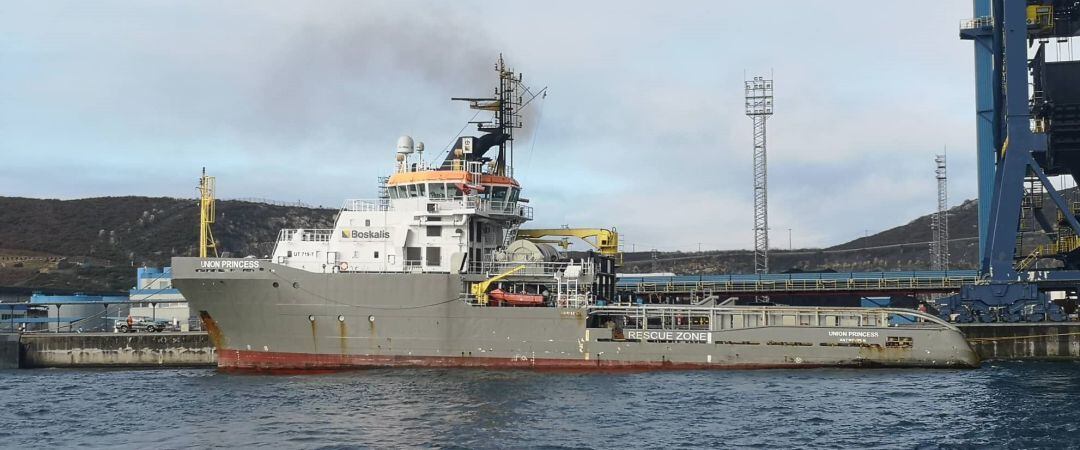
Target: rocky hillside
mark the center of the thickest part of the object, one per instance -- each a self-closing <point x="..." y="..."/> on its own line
<point x="906" y="247"/>
<point x="93" y="244"/>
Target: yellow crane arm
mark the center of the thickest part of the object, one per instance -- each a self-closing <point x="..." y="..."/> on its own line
<point x="479" y="290"/>
<point x="605" y="241"/>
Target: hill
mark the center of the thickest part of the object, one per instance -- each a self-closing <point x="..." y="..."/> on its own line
<point x="906" y="247"/>
<point x="93" y="244"/>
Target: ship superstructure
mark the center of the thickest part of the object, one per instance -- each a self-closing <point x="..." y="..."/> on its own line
<point x="459" y="216"/>
<point x="439" y="271"/>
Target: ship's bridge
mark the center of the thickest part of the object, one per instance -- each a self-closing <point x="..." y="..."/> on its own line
<point x="428" y="220"/>
<point x="463" y="183"/>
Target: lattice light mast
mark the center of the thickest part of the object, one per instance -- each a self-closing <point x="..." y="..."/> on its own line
<point x="206" y="215"/>
<point x="939" y="248"/>
<point x="759" y="106"/>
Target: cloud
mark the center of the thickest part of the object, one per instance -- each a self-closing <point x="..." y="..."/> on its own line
<point x="643" y="128"/>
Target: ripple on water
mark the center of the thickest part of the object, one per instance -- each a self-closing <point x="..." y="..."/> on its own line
<point x="1004" y="404"/>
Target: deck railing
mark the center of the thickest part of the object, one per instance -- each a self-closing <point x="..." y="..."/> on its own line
<point x="306" y="234"/>
<point x="679" y="317"/>
<point x="492" y="268"/>
<point x="871" y="281"/>
<point x="976" y="23"/>
<point x="356" y="204"/>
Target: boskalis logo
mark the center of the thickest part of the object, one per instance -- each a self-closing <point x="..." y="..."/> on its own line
<point x="365" y="234"/>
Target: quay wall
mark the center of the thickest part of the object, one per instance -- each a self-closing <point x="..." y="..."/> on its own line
<point x="9" y="351"/>
<point x="117" y="350"/>
<point x="1024" y="341"/>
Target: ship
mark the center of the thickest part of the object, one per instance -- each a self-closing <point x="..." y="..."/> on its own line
<point x="440" y="271"/>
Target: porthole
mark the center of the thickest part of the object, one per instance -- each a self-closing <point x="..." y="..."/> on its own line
<point x="311" y="318"/>
<point x="275" y="284"/>
<point x="371" y="319"/>
<point x="341" y="319"/>
<point x="296" y="285"/>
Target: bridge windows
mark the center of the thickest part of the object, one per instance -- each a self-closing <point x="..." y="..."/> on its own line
<point x="452" y="191"/>
<point x="498" y="193"/>
<point x="412" y="256"/>
<point x="437" y="191"/>
<point x="434" y="231"/>
<point x="434" y="256"/>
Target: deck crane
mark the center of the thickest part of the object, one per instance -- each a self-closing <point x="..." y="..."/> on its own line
<point x="603" y="240"/>
<point x="479" y="290"/>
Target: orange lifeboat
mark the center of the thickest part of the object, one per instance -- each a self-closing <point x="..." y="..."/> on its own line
<point x="500" y="296"/>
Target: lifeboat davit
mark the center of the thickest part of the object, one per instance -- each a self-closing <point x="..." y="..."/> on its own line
<point x="501" y="296"/>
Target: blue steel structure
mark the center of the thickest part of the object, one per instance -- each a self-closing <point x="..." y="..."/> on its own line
<point x="986" y="98"/>
<point x="966" y="275"/>
<point x="1011" y="152"/>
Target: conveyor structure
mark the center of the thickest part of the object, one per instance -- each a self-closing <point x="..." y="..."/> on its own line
<point x="866" y="283"/>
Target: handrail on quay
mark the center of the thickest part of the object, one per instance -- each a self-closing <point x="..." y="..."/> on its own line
<point x="802" y="282"/>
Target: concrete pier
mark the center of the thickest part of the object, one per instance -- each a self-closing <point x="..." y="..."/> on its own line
<point x="9" y="351"/>
<point x="1025" y="341"/>
<point x="116" y="350"/>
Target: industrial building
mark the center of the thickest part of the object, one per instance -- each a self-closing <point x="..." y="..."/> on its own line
<point x="74" y="313"/>
<point x="153" y="296"/>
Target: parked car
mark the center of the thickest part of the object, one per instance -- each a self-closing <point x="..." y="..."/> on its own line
<point x="146" y="324"/>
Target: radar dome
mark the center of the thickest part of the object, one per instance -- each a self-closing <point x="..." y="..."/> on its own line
<point x="405" y="145"/>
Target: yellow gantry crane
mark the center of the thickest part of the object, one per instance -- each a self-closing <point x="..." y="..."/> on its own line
<point x="605" y="241"/>
<point x="206" y="215"/>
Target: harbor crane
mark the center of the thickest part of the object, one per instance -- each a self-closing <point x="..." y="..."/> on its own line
<point x="1028" y="130"/>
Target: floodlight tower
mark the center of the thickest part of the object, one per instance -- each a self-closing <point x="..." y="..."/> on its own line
<point x="759" y="106"/>
<point x="939" y="248"/>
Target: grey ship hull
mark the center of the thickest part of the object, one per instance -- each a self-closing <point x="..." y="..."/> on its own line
<point x="277" y="317"/>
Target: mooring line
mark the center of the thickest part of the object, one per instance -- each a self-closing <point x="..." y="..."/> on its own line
<point x="1010" y="338"/>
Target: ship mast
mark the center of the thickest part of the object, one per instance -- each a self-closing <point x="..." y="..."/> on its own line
<point x="206" y="215"/>
<point x="505" y="104"/>
<point x="507" y="117"/>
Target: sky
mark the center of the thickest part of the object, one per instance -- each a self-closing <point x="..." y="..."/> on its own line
<point x="643" y="127"/>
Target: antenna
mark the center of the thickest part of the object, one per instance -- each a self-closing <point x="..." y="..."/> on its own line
<point x="759" y="106"/>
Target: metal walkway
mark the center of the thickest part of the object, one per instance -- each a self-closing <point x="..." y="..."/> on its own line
<point x="802" y="283"/>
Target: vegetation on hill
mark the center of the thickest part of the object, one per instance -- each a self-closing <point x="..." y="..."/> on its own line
<point x="906" y="247"/>
<point x="95" y="243"/>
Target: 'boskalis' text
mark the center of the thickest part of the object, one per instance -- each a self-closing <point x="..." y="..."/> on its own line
<point x="366" y="234"/>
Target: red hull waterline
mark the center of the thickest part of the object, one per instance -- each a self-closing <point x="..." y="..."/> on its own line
<point x="276" y="361"/>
